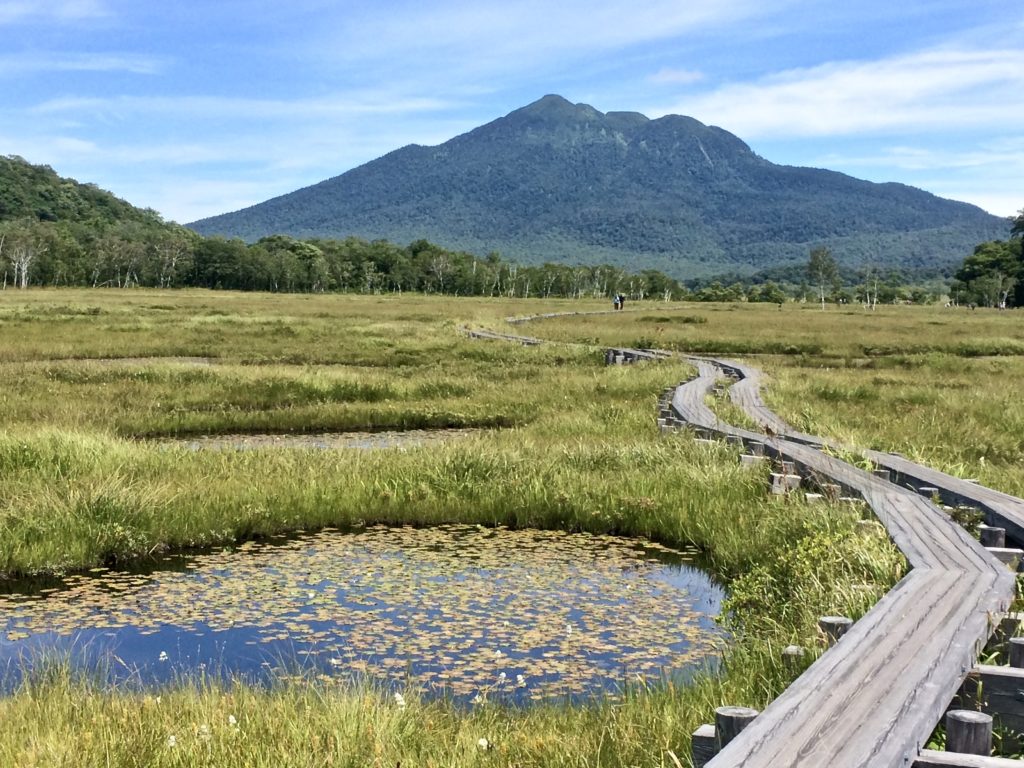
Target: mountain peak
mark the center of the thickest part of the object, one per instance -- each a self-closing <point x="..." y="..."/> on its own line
<point x="555" y="180"/>
<point x="555" y="108"/>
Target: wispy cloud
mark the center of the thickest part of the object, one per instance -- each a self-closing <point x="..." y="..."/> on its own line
<point x="21" y="11"/>
<point x="929" y="91"/>
<point x="473" y="39"/>
<point x="1000" y="153"/>
<point x="240" y="109"/>
<point x="669" y="76"/>
<point x="34" y="62"/>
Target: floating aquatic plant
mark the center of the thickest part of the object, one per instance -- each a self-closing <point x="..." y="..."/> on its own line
<point x="466" y="611"/>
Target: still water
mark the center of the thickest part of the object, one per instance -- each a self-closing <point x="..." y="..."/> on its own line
<point x="470" y="613"/>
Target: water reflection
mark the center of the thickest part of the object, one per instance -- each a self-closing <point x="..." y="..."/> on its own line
<point x="459" y="611"/>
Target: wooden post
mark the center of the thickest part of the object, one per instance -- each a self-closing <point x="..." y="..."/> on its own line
<point x="834" y="627"/>
<point x="729" y="721"/>
<point x="991" y="536"/>
<point x="782" y="484"/>
<point x="968" y="732"/>
<point x="793" y="659"/>
<point x="704" y="746"/>
<point x="1009" y="556"/>
<point x="1017" y="652"/>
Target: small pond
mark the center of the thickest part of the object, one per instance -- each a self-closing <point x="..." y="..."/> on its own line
<point x="470" y="613"/>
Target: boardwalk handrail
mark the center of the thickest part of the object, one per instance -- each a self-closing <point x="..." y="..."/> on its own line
<point x="874" y="698"/>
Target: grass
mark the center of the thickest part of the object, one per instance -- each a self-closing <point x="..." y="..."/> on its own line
<point x="567" y="443"/>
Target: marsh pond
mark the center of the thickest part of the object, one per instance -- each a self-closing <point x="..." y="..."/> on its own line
<point x="466" y="612"/>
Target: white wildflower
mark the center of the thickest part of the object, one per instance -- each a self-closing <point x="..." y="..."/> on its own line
<point x="163" y="656"/>
<point x="520" y="681"/>
<point x="400" y="700"/>
<point x="483" y="744"/>
<point x="232" y="721"/>
<point x="172" y="741"/>
<point x="204" y="732"/>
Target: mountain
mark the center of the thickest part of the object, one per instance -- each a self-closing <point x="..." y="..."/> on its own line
<point x="556" y="181"/>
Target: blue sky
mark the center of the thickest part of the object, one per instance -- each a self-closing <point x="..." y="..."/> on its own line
<point x="197" y="108"/>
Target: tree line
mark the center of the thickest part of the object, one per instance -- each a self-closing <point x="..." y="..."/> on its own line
<point x="138" y="254"/>
<point x="153" y="253"/>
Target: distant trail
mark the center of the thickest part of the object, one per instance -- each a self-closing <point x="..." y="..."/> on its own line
<point x="874" y="698"/>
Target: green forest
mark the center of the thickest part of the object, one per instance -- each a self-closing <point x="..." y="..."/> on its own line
<point x="59" y="232"/>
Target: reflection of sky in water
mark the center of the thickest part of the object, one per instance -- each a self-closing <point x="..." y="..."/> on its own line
<point x="458" y="611"/>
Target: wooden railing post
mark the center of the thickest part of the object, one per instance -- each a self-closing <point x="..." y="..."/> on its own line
<point x="968" y="732"/>
<point x="834" y="627"/>
<point x="730" y="721"/>
<point x="991" y="536"/>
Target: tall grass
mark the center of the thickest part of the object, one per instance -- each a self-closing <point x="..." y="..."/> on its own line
<point x="575" y="448"/>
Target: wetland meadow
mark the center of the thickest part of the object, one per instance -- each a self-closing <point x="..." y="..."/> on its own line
<point x="310" y="530"/>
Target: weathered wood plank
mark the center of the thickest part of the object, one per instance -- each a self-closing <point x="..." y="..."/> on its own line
<point x="933" y="759"/>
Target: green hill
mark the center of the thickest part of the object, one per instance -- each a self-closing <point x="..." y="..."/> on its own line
<point x="556" y="181"/>
<point x="37" y="192"/>
<point x="57" y="231"/>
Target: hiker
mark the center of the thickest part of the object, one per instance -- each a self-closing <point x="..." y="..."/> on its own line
<point x="615" y="301"/>
<point x="622" y="301"/>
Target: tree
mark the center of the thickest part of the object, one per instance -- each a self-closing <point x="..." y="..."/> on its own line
<point x="22" y="242"/>
<point x="1017" y="229"/>
<point x="822" y="270"/>
<point x="990" y="273"/>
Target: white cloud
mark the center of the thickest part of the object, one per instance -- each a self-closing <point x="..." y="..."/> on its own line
<point x="935" y="90"/>
<point x="474" y="39"/>
<point x="65" y="11"/>
<point x="240" y="108"/>
<point x="669" y="76"/>
<point x="986" y="173"/>
<point x="999" y="154"/>
<point x="184" y="200"/>
<point x="25" y="63"/>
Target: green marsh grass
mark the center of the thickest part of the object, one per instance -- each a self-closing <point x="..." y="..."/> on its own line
<point x="568" y="444"/>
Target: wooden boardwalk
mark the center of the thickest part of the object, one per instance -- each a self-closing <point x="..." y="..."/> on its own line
<point x="1001" y="509"/>
<point x="874" y="698"/>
